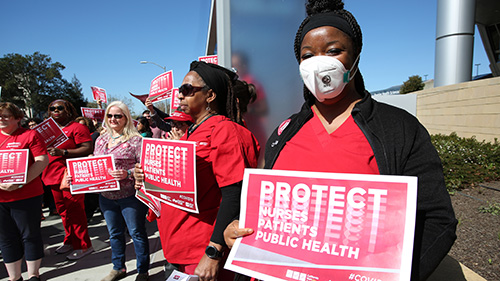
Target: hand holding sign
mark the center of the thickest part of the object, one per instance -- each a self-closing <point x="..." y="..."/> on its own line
<point x="9" y="186"/>
<point x="233" y="232"/>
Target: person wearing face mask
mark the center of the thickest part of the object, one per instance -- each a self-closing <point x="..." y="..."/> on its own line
<point x="341" y="129"/>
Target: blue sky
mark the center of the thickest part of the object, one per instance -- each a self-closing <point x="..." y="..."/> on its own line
<point x="102" y="42"/>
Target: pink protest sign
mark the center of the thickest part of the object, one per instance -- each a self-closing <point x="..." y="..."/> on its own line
<point x="93" y="113"/>
<point x="92" y="174"/>
<point x="52" y="134"/>
<point x="14" y="166"/>
<point x="169" y="172"/>
<point x="325" y="226"/>
<point x="99" y="94"/>
<point x="161" y="87"/>
<point x="149" y="200"/>
<point x="135" y="122"/>
<point x="209" y="59"/>
<point x="174" y="104"/>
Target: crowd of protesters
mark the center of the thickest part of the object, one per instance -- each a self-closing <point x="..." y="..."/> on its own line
<point x="212" y="104"/>
<point x="339" y="129"/>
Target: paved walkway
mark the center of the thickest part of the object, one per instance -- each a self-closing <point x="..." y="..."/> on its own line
<point x="98" y="264"/>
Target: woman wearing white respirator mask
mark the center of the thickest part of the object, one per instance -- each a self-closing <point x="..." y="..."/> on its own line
<point x="341" y="129"/>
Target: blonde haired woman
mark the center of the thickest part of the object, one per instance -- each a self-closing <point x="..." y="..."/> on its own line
<point x="120" y="208"/>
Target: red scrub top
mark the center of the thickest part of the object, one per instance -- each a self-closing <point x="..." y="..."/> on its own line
<point x="24" y="139"/>
<point x="346" y="150"/>
<point x="77" y="134"/>
<point x="223" y="150"/>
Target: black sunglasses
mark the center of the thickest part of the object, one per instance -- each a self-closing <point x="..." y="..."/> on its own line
<point x="188" y="90"/>
<point x="117" y="116"/>
<point x="59" y="107"/>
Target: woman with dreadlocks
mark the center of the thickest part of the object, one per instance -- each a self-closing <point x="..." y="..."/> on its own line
<point x="71" y="207"/>
<point x="341" y="129"/>
<point x="194" y="243"/>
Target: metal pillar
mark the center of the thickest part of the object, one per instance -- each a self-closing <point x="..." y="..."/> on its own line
<point x="454" y="41"/>
<point x="223" y="11"/>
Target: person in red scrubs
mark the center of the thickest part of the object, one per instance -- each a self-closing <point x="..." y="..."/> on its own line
<point x="341" y="129"/>
<point x="21" y="204"/>
<point x="194" y="243"/>
<point x="70" y="207"/>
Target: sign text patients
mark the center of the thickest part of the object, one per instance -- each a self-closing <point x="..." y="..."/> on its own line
<point x="86" y="169"/>
<point x="155" y="155"/>
<point x="287" y="223"/>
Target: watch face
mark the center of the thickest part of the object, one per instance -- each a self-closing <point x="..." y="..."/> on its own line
<point x="211" y="252"/>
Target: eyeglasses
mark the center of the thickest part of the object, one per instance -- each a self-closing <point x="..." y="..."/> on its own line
<point x="116" y="116"/>
<point x="188" y="90"/>
<point x="53" y="108"/>
<point x="5" y="117"/>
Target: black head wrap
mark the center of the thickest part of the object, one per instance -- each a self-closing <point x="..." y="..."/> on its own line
<point x="215" y="76"/>
<point x="327" y="19"/>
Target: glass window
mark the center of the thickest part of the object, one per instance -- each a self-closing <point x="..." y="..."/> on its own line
<point x="262" y="35"/>
<point x="494" y="38"/>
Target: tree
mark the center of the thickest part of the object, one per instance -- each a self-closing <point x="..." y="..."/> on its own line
<point x="33" y="81"/>
<point x="413" y="84"/>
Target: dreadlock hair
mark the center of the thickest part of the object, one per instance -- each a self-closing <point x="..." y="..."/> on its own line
<point x="227" y="104"/>
<point x="225" y="99"/>
<point x="314" y="7"/>
<point x="70" y="109"/>
<point x="246" y="94"/>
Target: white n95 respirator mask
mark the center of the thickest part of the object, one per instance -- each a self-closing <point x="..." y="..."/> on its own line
<point x="325" y="76"/>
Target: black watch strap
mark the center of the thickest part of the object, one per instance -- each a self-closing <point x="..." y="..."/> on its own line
<point x="212" y="252"/>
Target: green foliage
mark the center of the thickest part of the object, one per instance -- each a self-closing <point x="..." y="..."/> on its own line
<point x="467" y="161"/>
<point x="413" y="84"/>
<point x="492" y="208"/>
<point x="33" y="81"/>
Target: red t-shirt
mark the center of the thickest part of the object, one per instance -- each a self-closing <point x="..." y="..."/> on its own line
<point x="24" y="139"/>
<point x="346" y="150"/>
<point x="77" y="134"/>
<point x="223" y="150"/>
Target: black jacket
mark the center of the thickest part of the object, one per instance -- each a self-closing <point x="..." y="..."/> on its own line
<point x="402" y="146"/>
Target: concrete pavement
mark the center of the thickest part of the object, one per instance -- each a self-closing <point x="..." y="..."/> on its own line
<point x="98" y="264"/>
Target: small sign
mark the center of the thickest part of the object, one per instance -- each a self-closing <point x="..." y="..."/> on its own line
<point x="14" y="166"/>
<point x="93" y="113"/>
<point x="161" y="87"/>
<point x="209" y="59"/>
<point x="52" y="134"/>
<point x="99" y="94"/>
<point x="92" y="174"/>
<point x="170" y="172"/>
<point x="149" y="200"/>
<point x="175" y="103"/>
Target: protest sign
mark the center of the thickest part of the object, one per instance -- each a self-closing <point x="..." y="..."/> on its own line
<point x="175" y="103"/>
<point x="161" y="87"/>
<point x="92" y="174"/>
<point x="52" y="134"/>
<point x="209" y="59"/>
<point x="93" y="113"/>
<point x="325" y="226"/>
<point x="135" y="122"/>
<point x="99" y="94"/>
<point x="181" y="276"/>
<point x="152" y="202"/>
<point x="170" y="172"/>
<point x="14" y="166"/>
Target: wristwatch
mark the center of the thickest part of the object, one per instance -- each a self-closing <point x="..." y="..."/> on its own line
<point x="65" y="152"/>
<point x="212" y="252"/>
